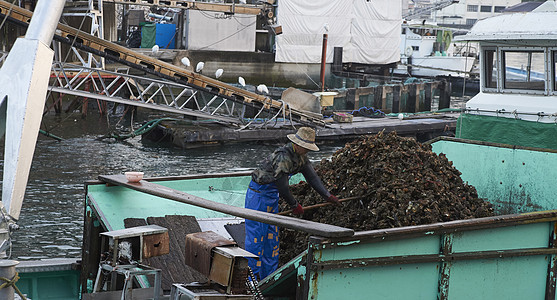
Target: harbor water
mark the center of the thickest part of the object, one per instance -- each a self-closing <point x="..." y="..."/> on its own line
<point x="51" y="220"/>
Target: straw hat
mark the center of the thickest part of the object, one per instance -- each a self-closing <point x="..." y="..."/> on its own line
<point x="305" y="137"/>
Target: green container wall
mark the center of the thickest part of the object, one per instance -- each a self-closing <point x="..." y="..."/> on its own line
<point x="513" y="180"/>
<point x="520" y="277"/>
<point x="54" y="285"/>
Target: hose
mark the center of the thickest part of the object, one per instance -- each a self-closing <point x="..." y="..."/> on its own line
<point x="145" y="128"/>
<point x="50" y="135"/>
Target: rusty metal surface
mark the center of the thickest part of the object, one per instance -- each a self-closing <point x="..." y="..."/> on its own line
<point x="199" y="247"/>
<point x="447" y="227"/>
<point x="551" y="285"/>
<point x="445" y="272"/>
<point x="414" y="259"/>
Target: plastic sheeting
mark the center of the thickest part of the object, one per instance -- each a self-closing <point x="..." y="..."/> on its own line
<point x="368" y="31"/>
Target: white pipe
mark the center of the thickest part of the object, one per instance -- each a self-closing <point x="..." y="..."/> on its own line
<point x="161" y="17"/>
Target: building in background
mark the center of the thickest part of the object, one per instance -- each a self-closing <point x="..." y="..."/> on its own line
<point x="467" y="12"/>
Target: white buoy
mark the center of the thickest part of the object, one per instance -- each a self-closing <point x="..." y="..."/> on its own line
<point x="218" y="73"/>
<point x="185" y="61"/>
<point x="241" y="81"/>
<point x="262" y="89"/>
<point x="400" y="116"/>
<point x="155" y="49"/>
<point x="199" y="66"/>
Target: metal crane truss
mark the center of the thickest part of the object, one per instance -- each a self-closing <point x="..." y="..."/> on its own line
<point x="95" y="13"/>
<point x="199" y="82"/>
<point x="142" y="91"/>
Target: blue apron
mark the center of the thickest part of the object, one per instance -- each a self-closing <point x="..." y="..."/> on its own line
<point x="262" y="239"/>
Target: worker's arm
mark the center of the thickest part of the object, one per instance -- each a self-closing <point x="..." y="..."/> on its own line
<point x="284" y="190"/>
<point x="313" y="179"/>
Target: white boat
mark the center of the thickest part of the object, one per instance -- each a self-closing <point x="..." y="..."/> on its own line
<point x="517" y="104"/>
<point x="427" y="51"/>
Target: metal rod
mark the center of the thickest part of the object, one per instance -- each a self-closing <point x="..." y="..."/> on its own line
<point x="379" y="235"/>
<point x="514" y="112"/>
<point x="429" y="258"/>
<point x="314" y="228"/>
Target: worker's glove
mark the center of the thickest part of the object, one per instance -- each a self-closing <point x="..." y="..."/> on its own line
<point x="333" y="199"/>
<point x="298" y="210"/>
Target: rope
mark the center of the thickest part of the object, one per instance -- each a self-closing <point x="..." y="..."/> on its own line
<point x="11" y="283"/>
<point x="254" y="118"/>
<point x="375" y="112"/>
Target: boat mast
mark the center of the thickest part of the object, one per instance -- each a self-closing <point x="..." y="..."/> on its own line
<point x="25" y="75"/>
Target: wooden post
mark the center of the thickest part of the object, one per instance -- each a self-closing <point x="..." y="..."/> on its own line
<point x="384" y="92"/>
<point x="419" y="100"/>
<point x="378" y="96"/>
<point x="428" y="95"/>
<point x="357" y="98"/>
<point x="411" y="102"/>
<point x="350" y="99"/>
<point x="337" y="60"/>
<point x="444" y="94"/>
<point x="397" y="89"/>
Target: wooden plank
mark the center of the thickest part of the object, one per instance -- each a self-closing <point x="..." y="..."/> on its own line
<point x="156" y="245"/>
<point x="319" y="229"/>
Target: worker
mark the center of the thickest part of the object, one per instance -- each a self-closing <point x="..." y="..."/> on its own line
<point x="269" y="181"/>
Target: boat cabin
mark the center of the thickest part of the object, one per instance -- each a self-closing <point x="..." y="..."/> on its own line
<point x="517" y="100"/>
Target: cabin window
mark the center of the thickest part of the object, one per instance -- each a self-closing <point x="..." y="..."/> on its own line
<point x="485" y="8"/>
<point x="524" y="70"/>
<point x="471" y="22"/>
<point x="472" y="8"/>
<point x="490" y="69"/>
<point x="498" y="9"/>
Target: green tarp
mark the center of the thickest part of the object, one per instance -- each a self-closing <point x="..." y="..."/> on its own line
<point x="507" y="131"/>
<point x="148" y="35"/>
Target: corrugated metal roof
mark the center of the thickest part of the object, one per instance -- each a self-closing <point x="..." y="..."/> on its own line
<point x="539" y="24"/>
<point x="523" y="7"/>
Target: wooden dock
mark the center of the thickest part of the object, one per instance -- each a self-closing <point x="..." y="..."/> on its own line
<point x="422" y="127"/>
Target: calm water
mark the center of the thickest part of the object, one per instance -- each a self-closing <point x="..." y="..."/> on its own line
<point x="52" y="213"/>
